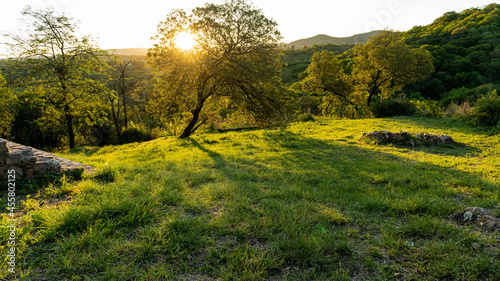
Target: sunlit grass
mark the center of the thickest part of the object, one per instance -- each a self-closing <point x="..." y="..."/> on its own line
<point x="309" y="202"/>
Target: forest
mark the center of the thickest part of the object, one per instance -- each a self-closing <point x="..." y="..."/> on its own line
<point x="61" y="90"/>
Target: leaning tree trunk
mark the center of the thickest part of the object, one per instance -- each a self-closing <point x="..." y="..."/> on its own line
<point x="374" y="88"/>
<point x="190" y="128"/>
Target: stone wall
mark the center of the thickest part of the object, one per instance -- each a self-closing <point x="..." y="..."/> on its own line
<point x="28" y="161"/>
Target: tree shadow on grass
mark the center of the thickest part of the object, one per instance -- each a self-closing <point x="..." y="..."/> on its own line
<point x="289" y="188"/>
<point x="317" y="170"/>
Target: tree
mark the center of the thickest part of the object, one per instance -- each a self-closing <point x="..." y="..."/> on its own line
<point x="62" y="63"/>
<point x="385" y="64"/>
<point x="326" y="74"/>
<point x="236" y="57"/>
<point x="125" y="76"/>
<point x="6" y="107"/>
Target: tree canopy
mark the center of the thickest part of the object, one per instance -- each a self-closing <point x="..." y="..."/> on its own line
<point x="326" y="74"/>
<point x="60" y="66"/>
<point x="386" y="64"/>
<point x="235" y="61"/>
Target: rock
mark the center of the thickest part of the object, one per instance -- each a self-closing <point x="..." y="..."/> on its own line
<point x="4" y="150"/>
<point x="411" y="142"/>
<point x="445" y="139"/>
<point x="478" y="216"/>
<point x="397" y="137"/>
<point x="29" y="173"/>
<point x="28" y="161"/>
<point x="475" y="246"/>
<point x="19" y="171"/>
<point x="47" y="166"/>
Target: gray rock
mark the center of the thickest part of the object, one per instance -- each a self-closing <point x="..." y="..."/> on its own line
<point x="4" y="150"/>
<point x="478" y="216"/>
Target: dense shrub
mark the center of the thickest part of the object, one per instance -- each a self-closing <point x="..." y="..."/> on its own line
<point x="487" y="110"/>
<point x="428" y="108"/>
<point x="305" y="117"/>
<point x="136" y="134"/>
<point x="461" y="95"/>
<point x="458" y="111"/>
<point x="393" y="107"/>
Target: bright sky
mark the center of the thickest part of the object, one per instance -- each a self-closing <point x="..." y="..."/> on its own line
<point x="130" y="24"/>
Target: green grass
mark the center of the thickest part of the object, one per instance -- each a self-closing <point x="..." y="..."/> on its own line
<point x="307" y="203"/>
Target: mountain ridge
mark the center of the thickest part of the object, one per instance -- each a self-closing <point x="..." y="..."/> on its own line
<point x="320" y="39"/>
<point x="323" y="39"/>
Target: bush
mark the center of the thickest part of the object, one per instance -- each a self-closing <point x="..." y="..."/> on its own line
<point x="428" y="108"/>
<point x="393" y="107"/>
<point x="487" y="110"/>
<point x="458" y="111"/>
<point x="135" y="134"/>
<point x="306" y="117"/>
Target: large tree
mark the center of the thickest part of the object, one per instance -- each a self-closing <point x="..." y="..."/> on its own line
<point x="236" y="58"/>
<point x="385" y="64"/>
<point x="326" y="74"/>
<point x="60" y="64"/>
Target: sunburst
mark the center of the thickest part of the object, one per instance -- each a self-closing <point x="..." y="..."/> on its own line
<point x="185" y="41"/>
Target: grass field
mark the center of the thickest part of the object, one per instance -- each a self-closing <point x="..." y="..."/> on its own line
<point x="310" y="202"/>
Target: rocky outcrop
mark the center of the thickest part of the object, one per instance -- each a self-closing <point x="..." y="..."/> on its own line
<point x="28" y="161"/>
<point x="407" y="138"/>
<point x="478" y="216"/>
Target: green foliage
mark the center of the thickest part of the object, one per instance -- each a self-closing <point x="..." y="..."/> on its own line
<point x="461" y="95"/>
<point x="464" y="47"/>
<point x="393" y="107"/>
<point x="385" y="64"/>
<point x="306" y="117"/>
<point x="428" y="108"/>
<point x="458" y="111"/>
<point x="487" y="110"/>
<point x="59" y="65"/>
<point x="296" y="61"/>
<point x="236" y="58"/>
<point x="7" y="102"/>
<point x="328" y="75"/>
<point x="135" y="133"/>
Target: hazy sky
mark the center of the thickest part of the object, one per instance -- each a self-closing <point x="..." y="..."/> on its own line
<point x="130" y="24"/>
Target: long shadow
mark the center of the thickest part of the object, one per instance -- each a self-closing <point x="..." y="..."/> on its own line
<point x="316" y="163"/>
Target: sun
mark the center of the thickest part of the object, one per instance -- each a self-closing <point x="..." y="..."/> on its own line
<point x="185" y="41"/>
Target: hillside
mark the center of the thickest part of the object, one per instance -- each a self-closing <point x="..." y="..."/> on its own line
<point x="465" y="47"/>
<point x="323" y="39"/>
<point x="307" y="203"/>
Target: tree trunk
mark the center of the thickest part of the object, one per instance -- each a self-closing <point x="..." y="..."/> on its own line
<point x="374" y="88"/>
<point x="341" y="108"/>
<point x="191" y="126"/>
<point x="71" y="132"/>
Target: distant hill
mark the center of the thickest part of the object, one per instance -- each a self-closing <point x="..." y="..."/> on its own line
<point x="128" y="52"/>
<point x="466" y="50"/>
<point x="323" y="39"/>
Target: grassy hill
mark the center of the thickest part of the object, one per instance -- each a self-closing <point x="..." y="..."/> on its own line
<point x="322" y="39"/>
<point x="309" y="202"/>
